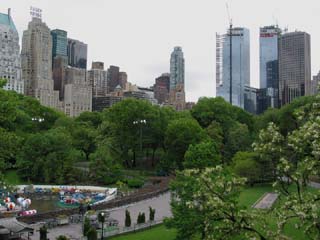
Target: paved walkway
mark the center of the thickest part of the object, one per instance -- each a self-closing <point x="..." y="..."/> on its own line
<point x="267" y="201"/>
<point x="160" y="203"/>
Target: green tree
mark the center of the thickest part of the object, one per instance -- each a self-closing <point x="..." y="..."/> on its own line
<point x="9" y="149"/>
<point x="47" y="157"/>
<point x="179" y="135"/>
<point x="245" y="164"/>
<point x="215" y="132"/>
<point x="202" y="155"/>
<point x="103" y="166"/>
<point x="238" y="139"/>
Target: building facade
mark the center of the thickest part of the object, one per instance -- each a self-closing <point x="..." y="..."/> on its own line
<point x="99" y="103"/>
<point x="294" y="66"/>
<point x="177" y="81"/>
<point x="315" y="84"/>
<point x="77" y="54"/>
<point x="240" y="61"/>
<point x="36" y="63"/>
<point x="269" y="36"/>
<point x="10" y="62"/>
<point x="97" y="77"/>
<point x="77" y="92"/>
<point x="113" y="77"/>
<point x="59" y="44"/>
<point x="162" y="88"/>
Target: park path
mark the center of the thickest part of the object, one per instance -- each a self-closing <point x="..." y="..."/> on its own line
<point x="266" y="201"/>
<point x="160" y="203"/>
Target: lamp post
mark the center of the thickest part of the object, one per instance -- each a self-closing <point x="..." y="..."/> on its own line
<point x="140" y="122"/>
<point x="102" y="220"/>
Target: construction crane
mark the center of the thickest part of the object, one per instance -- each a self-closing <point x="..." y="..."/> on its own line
<point x="230" y="38"/>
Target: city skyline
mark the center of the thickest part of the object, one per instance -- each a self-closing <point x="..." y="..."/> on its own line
<point x="142" y="44"/>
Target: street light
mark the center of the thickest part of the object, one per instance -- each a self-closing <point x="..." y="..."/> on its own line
<point x="102" y="220"/>
<point x="140" y="122"/>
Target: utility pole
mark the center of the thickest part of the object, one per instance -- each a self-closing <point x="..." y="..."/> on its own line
<point x="230" y="38"/>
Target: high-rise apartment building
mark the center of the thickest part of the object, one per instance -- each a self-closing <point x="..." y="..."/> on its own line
<point x="10" y="63"/>
<point x="77" y="92"/>
<point x="123" y="79"/>
<point x="162" y="88"/>
<point x="238" y="64"/>
<point x="36" y="63"/>
<point x="177" y="73"/>
<point x="294" y="66"/>
<point x="77" y="54"/>
<point x="97" y="78"/>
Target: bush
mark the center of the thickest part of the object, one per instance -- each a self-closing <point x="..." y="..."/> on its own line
<point x="141" y="218"/>
<point x="86" y="226"/>
<point x="152" y="213"/>
<point x="127" y="219"/>
<point x="135" y="183"/>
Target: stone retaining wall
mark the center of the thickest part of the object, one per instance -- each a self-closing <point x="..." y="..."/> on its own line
<point x="160" y="186"/>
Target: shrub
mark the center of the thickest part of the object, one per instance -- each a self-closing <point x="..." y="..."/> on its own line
<point x="135" y="183"/>
<point x="152" y="213"/>
<point x="127" y="219"/>
<point x="141" y="218"/>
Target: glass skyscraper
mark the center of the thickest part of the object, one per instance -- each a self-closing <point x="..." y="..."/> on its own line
<point x="268" y="51"/>
<point x="77" y="54"/>
<point x="240" y="65"/>
<point x="59" y="43"/>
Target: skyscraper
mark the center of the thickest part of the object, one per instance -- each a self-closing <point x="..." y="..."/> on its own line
<point x="240" y="61"/>
<point x="294" y="66"/>
<point x="177" y="88"/>
<point x="268" y="50"/>
<point x="77" y="92"/>
<point x="59" y="43"/>
<point x="77" y="53"/>
<point x="161" y="88"/>
<point x="10" y="64"/>
<point x="97" y="77"/>
<point x="36" y="63"/>
<point x="59" y="59"/>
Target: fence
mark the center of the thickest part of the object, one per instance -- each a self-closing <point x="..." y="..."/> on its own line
<point x="123" y="230"/>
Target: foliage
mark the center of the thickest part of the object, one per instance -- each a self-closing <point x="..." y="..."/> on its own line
<point x="206" y="205"/>
<point x="62" y="237"/>
<point x="92" y="234"/>
<point x="43" y="233"/>
<point x="245" y="164"/>
<point x="127" y="221"/>
<point x="135" y="182"/>
<point x="86" y="226"/>
<point x="141" y="218"/>
<point x="269" y="146"/>
<point x="202" y="155"/>
<point x="179" y="135"/>
<point x="103" y="166"/>
<point x="237" y="139"/>
<point x="152" y="213"/>
<point x="48" y="157"/>
<point x="294" y="172"/>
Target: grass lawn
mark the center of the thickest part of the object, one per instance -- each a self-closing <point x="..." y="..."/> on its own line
<point x="12" y="177"/>
<point x="156" y="233"/>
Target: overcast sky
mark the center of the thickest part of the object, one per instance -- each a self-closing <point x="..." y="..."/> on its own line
<point x="139" y="35"/>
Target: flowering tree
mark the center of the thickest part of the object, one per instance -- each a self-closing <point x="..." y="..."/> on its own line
<point x="295" y="171"/>
<point x="205" y="204"/>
